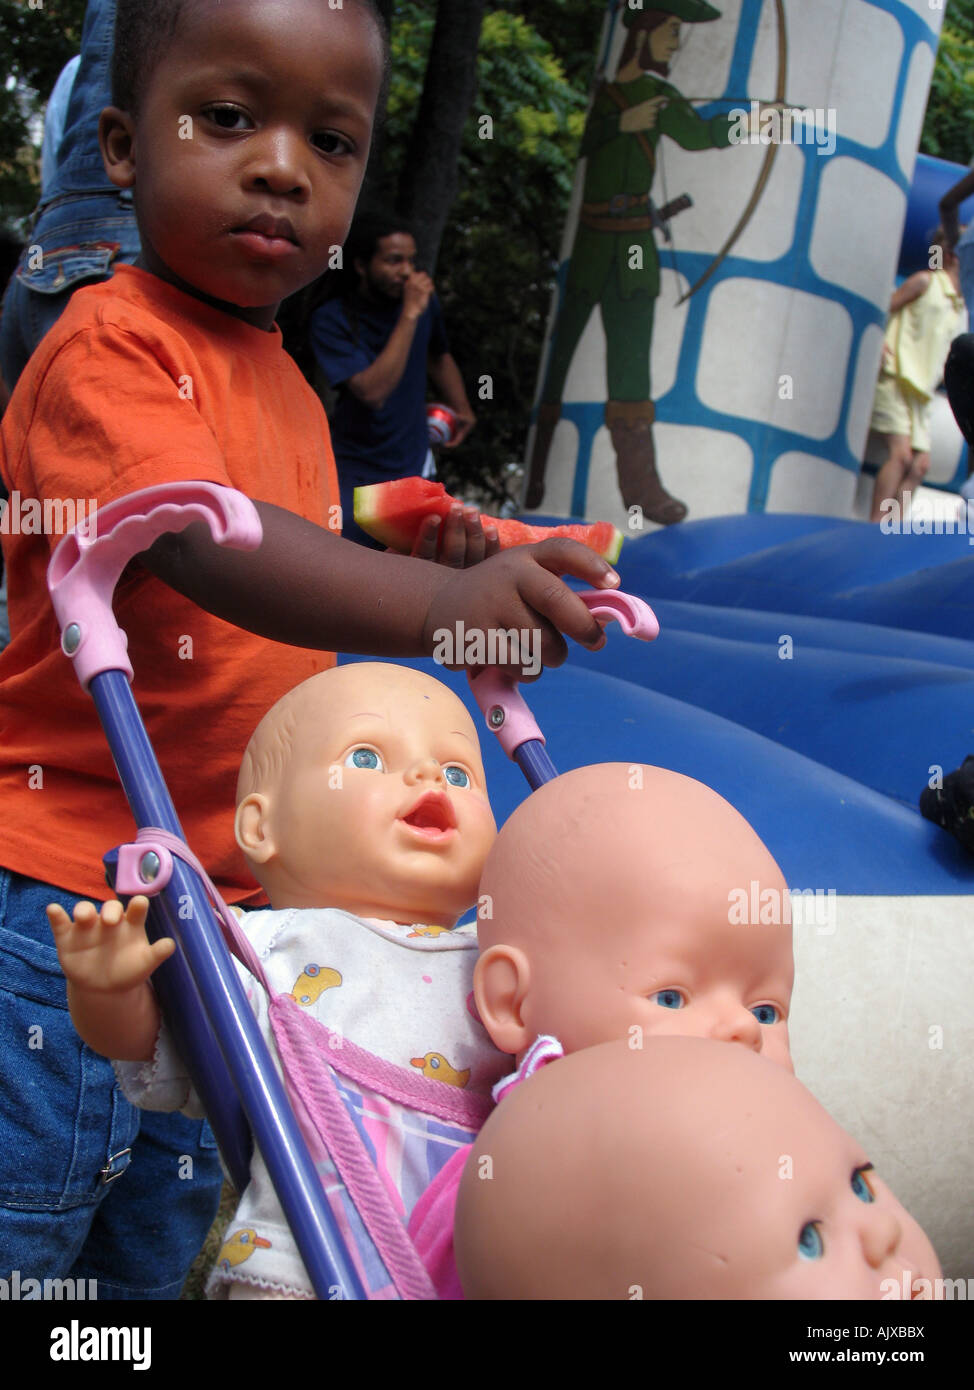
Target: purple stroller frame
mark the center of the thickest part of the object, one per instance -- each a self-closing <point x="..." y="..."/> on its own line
<point x="198" y="987"/>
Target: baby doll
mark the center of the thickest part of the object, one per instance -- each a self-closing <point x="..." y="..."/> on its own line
<point x="610" y="909"/>
<point x="363" y="813"/>
<point x="681" y="1171"/>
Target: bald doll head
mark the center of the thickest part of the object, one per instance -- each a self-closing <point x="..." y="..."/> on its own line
<point x="363" y="789"/>
<point x="611" y="908"/>
<point x="683" y="1170"/>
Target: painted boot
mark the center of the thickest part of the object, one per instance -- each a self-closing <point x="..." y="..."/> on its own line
<point x="630" y="424"/>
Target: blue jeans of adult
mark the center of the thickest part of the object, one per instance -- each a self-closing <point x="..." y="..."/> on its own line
<point x="76" y="239"/>
<point x="79" y="208"/>
<point x="90" y="1187"/>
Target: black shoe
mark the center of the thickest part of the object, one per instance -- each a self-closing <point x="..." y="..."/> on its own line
<point x="952" y="805"/>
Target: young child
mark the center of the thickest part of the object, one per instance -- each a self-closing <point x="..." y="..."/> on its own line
<point x="925" y="314"/>
<point x="363" y="812"/>
<point x="682" y="1171"/>
<point x="610" y="908"/>
<point x="244" y="149"/>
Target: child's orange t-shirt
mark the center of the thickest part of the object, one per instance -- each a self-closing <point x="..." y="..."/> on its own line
<point x="137" y="384"/>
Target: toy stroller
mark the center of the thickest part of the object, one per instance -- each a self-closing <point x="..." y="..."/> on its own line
<point x="353" y="1245"/>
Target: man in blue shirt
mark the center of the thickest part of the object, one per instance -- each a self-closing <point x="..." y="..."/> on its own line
<point x="376" y="343"/>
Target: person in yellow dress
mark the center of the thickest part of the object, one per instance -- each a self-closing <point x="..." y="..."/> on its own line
<point x="926" y="314"/>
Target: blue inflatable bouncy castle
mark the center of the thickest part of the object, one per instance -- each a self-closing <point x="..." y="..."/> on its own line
<point x="707" y="385"/>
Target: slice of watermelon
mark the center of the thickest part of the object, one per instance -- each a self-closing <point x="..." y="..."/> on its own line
<point x="393" y="512"/>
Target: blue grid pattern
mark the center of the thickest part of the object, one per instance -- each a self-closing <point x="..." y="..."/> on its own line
<point x="681" y="404"/>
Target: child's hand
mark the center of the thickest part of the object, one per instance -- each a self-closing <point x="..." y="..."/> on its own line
<point x="520" y="589"/>
<point x="459" y="542"/>
<point x="107" y="952"/>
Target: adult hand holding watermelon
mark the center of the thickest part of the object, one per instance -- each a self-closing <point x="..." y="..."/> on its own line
<point x="398" y="514"/>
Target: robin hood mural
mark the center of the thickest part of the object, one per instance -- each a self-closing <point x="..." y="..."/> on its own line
<point x="615" y="262"/>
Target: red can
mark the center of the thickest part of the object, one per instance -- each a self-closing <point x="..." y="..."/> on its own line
<point x="442" y="423"/>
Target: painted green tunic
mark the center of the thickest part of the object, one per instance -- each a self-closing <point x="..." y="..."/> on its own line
<point x="617" y="163"/>
<point x="600" y="270"/>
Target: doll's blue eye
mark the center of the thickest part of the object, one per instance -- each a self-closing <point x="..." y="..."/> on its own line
<point x="766" y="1014"/>
<point x="456" y="776"/>
<point x="365" y="757"/>
<point x="669" y="999"/>
<point x="860" y="1184"/>
<point x="810" y="1245"/>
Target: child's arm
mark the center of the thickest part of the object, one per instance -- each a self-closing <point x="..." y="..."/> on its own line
<point x="107" y="960"/>
<point x="910" y="289"/>
<point x="309" y="588"/>
<point x="949" y="205"/>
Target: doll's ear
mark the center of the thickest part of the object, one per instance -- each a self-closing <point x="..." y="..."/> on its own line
<point x="116" y="138"/>
<point x="500" y="986"/>
<point x="252" y="828"/>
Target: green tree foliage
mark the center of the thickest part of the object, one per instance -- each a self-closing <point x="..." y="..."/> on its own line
<point x="948" y="127"/>
<point x="36" y="42"/>
<point x="498" y="260"/>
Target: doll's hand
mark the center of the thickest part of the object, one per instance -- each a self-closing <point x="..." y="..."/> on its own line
<point x="520" y="589"/>
<point x="107" y="952"/>
<point x="458" y="542"/>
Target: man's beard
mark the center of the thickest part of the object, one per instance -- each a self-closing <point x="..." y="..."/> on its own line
<point x="382" y="293"/>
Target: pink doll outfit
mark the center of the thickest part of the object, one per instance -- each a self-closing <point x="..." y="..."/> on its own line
<point x="431" y="1224"/>
<point x="398" y="1103"/>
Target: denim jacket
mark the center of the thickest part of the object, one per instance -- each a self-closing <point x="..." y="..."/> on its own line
<point x="85" y="225"/>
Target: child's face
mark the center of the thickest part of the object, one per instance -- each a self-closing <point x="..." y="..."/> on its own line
<point x="382" y="809"/>
<point x="250" y="147"/>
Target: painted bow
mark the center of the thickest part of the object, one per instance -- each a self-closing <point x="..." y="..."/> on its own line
<point x="766" y="167"/>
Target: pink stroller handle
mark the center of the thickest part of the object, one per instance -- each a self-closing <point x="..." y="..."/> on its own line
<point x="89" y="561"/>
<point x="633" y="615"/>
<point x="503" y="706"/>
<point x="201" y="993"/>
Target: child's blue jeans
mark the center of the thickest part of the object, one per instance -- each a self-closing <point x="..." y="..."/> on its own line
<point x="90" y="1187"/>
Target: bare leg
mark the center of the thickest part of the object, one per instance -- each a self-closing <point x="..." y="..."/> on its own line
<point x="892" y="476"/>
<point x="917" y="472"/>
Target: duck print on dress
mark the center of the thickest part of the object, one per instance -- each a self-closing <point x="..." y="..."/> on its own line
<point x="239" y="1247"/>
<point x="312" y="982"/>
<point x="435" y="1067"/>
